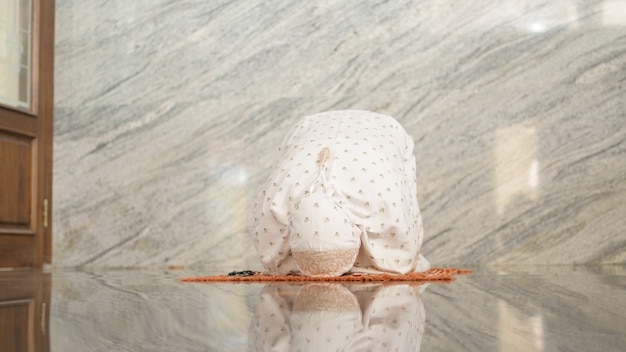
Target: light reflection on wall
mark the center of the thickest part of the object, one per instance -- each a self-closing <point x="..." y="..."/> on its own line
<point x="229" y="192"/>
<point x="227" y="201"/>
<point x="521" y="15"/>
<point x="516" y="165"/>
<point x="614" y="13"/>
<point x="555" y="14"/>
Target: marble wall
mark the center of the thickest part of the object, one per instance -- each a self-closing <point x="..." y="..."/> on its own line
<point x="168" y="114"/>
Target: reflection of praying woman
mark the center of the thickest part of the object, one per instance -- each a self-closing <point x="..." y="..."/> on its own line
<point x="332" y="317"/>
<point x="342" y="197"/>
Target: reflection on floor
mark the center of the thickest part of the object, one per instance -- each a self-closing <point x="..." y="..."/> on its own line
<point x="538" y="309"/>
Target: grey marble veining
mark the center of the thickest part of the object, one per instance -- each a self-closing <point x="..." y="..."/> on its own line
<point x="541" y="309"/>
<point x="168" y="114"/>
<point x="557" y="308"/>
<point x="146" y="311"/>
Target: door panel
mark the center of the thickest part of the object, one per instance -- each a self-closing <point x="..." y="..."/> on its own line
<point x="24" y="311"/>
<point x="15" y="182"/>
<point x="26" y="79"/>
<point x="17" y="323"/>
<point x="17" y="250"/>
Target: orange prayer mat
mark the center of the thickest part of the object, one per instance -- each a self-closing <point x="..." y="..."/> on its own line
<point x="433" y="274"/>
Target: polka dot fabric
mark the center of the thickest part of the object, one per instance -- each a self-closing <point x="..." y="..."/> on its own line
<point x="361" y="166"/>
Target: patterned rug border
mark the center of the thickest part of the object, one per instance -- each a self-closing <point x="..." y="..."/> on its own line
<point x="431" y="275"/>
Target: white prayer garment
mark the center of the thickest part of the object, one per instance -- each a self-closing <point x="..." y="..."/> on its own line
<point x="342" y="197"/>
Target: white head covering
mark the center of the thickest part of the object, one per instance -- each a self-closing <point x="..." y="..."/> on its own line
<point x="324" y="240"/>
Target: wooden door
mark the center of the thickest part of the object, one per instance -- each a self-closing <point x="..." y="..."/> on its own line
<point x="26" y="100"/>
<point x="25" y="311"/>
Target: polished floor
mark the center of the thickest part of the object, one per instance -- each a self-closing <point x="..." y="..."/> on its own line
<point x="507" y="309"/>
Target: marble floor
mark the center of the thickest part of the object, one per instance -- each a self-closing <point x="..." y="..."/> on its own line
<point x="505" y="309"/>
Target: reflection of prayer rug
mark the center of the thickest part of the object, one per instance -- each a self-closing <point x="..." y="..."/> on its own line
<point x="431" y="275"/>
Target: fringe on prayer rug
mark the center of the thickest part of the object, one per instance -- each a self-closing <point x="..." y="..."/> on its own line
<point x="431" y="275"/>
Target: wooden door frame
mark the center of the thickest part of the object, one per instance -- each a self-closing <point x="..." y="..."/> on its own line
<point x="44" y="25"/>
<point x="39" y="127"/>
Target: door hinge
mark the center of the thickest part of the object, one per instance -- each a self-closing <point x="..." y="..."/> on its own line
<point x="45" y="213"/>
